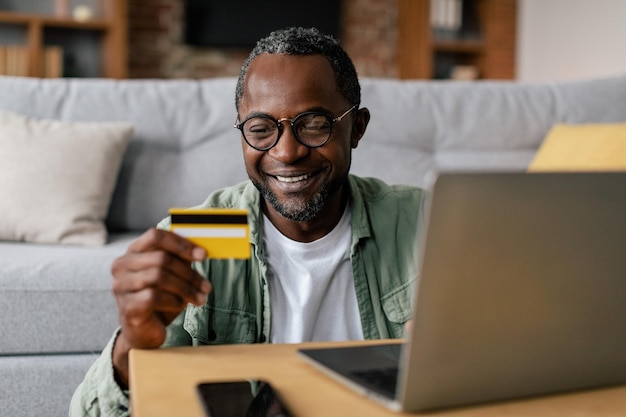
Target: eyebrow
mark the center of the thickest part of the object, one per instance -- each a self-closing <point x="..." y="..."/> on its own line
<point x="316" y="109"/>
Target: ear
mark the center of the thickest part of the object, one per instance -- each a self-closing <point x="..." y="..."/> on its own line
<point x="361" y="121"/>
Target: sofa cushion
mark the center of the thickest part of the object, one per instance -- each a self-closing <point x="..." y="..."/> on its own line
<point x="40" y="385"/>
<point x="57" y="178"/>
<point x="57" y="299"/>
<point x="585" y="147"/>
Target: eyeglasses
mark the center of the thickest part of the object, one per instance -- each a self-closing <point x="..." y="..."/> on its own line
<point x="311" y="128"/>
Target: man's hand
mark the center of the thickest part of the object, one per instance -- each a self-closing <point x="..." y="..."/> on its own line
<point x="153" y="282"/>
<point x="408" y="327"/>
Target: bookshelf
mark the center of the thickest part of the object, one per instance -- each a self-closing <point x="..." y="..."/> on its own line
<point x="474" y="39"/>
<point x="54" y="43"/>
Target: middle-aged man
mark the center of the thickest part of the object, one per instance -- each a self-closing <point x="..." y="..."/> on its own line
<point x="334" y="256"/>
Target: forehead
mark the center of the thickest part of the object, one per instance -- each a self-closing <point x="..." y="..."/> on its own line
<point x="289" y="82"/>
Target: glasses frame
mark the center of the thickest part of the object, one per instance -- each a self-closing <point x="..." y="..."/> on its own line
<point x="292" y="122"/>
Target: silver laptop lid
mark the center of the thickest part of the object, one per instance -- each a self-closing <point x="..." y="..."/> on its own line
<point x="523" y="289"/>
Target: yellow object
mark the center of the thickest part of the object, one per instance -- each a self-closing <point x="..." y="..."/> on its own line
<point x="224" y="233"/>
<point x="585" y="147"/>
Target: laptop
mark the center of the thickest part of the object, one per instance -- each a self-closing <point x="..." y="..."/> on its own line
<point x="522" y="293"/>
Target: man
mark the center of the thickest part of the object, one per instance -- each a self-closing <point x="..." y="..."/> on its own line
<point x="333" y="255"/>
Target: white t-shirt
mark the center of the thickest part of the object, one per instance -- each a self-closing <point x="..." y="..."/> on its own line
<point x="313" y="297"/>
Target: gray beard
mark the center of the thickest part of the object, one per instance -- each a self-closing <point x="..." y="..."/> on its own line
<point x="297" y="210"/>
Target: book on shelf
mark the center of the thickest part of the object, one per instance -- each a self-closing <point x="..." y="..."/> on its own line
<point x="15" y="61"/>
<point x="446" y="18"/>
<point x="454" y="19"/>
<point x="3" y="60"/>
<point x="52" y="62"/>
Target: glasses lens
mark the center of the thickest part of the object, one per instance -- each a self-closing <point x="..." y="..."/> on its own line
<point x="313" y="129"/>
<point x="260" y="132"/>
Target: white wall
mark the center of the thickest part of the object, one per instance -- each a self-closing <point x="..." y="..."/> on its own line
<point x="570" y="39"/>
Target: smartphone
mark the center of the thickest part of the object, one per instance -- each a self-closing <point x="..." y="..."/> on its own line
<point x="242" y="398"/>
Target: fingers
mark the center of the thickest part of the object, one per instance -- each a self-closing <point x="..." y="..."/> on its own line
<point x="146" y="303"/>
<point x="155" y="239"/>
<point x="408" y="326"/>
<point x="153" y="282"/>
<point x="144" y="286"/>
<point x="160" y="269"/>
<point x="168" y="256"/>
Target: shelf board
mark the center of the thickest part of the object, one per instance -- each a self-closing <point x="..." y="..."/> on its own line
<point x="458" y="45"/>
<point x="52" y="21"/>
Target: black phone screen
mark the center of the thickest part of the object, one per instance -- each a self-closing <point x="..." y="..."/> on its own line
<point x="253" y="398"/>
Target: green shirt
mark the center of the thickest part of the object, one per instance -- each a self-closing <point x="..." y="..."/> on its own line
<point x="386" y="223"/>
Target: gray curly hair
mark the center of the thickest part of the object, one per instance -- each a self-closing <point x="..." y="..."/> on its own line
<point x="303" y="41"/>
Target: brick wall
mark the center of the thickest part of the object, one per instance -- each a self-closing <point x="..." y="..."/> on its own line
<point x="369" y="35"/>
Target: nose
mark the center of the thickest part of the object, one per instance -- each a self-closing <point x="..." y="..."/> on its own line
<point x="288" y="149"/>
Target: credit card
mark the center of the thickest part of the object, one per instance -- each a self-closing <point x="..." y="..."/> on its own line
<point x="224" y="233"/>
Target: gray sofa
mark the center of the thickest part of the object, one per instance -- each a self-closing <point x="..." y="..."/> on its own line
<point x="56" y="308"/>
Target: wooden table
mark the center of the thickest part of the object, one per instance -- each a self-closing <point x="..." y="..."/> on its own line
<point x="163" y="384"/>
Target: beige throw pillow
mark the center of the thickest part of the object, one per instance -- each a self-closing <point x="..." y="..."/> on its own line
<point x="57" y="178"/>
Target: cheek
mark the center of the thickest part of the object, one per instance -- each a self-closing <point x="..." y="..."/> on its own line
<point x="251" y="157"/>
<point x="343" y="145"/>
<point x="339" y="155"/>
<point x="343" y="135"/>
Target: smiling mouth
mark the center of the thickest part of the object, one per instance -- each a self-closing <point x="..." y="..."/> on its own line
<point x="292" y="179"/>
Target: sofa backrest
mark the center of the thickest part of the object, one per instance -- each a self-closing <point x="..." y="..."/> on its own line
<point x="419" y="128"/>
<point x="185" y="146"/>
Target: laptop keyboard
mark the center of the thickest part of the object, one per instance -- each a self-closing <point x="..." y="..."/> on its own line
<point x="382" y="380"/>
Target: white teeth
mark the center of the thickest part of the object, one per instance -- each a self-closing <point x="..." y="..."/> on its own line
<point x="292" y="179"/>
